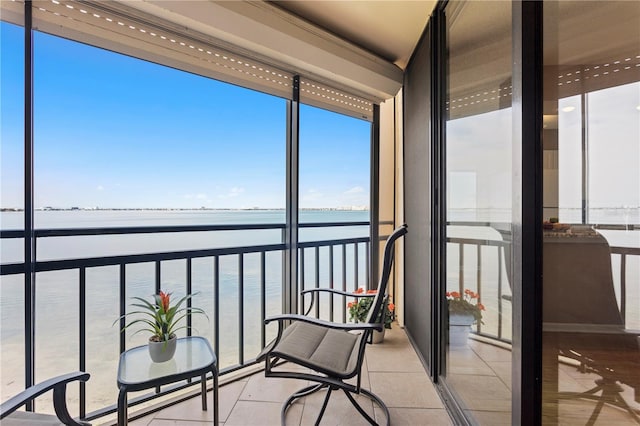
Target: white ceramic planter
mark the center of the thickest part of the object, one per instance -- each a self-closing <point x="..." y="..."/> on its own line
<point x="162" y="351"/>
<point x="459" y="328"/>
<point x="378" y="336"/>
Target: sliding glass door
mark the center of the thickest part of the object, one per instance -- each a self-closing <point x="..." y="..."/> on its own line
<point x="478" y="197"/>
<point x="591" y="237"/>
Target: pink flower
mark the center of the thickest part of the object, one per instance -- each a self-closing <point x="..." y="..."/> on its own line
<point x="165" y="299"/>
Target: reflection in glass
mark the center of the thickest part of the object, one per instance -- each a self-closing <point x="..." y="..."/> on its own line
<point x="591" y="239"/>
<point x="479" y="203"/>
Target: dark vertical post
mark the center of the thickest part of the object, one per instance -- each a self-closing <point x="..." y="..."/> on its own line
<point x="302" y="275"/>
<point x="331" y="301"/>
<point x="437" y="34"/>
<point x="29" y="234"/>
<point x="527" y="213"/>
<point x="461" y="268"/>
<point x="585" y="159"/>
<point x="500" y="250"/>
<point x="216" y="305"/>
<point x="367" y="263"/>
<point x="82" y="327"/>
<point x="478" y="280"/>
<point x="123" y="307"/>
<point x="317" y="281"/>
<point x="241" y="308"/>
<point x="344" y="281"/>
<point x="158" y="277"/>
<point x="374" y="202"/>
<point x="263" y="297"/>
<point x="189" y="290"/>
<point x="623" y="287"/>
<point x="290" y="292"/>
<point x="395" y="192"/>
<point x="356" y="261"/>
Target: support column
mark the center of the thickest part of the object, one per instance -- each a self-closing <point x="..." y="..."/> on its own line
<point x="526" y="370"/>
<point x="290" y="293"/>
<point x="374" y="202"/>
<point x="29" y="237"/>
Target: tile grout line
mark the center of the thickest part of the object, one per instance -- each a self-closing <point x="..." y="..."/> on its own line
<point x="233" y="406"/>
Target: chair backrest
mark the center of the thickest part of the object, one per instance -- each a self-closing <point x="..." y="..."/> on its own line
<point x="387" y="262"/>
<point x="578" y="282"/>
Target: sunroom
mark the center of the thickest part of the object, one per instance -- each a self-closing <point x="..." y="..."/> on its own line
<point x="245" y="151"/>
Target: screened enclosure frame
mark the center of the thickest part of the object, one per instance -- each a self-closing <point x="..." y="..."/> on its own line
<point x="294" y="88"/>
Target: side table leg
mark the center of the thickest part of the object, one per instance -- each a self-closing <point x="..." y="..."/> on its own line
<point x="203" y="391"/>
<point x="122" y="407"/>
<point x="215" y="396"/>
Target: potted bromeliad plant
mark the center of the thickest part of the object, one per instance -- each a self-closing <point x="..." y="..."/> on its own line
<point x="464" y="311"/>
<point x="359" y="309"/>
<point x="161" y="319"/>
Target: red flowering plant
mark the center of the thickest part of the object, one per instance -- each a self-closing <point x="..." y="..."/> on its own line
<point x="160" y="318"/>
<point x="465" y="304"/>
<point x="359" y="309"/>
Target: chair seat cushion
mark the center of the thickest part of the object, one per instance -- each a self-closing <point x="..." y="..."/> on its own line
<point x="21" y="418"/>
<point x="332" y="352"/>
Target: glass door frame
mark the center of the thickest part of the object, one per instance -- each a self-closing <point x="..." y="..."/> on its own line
<point x="527" y="215"/>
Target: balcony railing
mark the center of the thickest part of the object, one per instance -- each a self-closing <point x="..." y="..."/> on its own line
<point x="341" y="263"/>
<point x="347" y="264"/>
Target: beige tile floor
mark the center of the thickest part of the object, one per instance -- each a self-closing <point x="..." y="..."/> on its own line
<point x="392" y="371"/>
<point x="481" y="373"/>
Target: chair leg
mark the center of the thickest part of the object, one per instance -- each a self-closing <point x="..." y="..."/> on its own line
<point x="324" y="405"/>
<point x="372" y="397"/>
<point x="611" y="394"/>
<point x="624" y="405"/>
<point x="306" y="391"/>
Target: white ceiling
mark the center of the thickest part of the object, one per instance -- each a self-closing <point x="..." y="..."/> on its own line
<point x="361" y="47"/>
<point x="388" y="29"/>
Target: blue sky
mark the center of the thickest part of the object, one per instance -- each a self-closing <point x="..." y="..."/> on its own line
<point x="113" y="131"/>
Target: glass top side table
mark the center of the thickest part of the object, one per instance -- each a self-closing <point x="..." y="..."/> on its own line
<point x="193" y="357"/>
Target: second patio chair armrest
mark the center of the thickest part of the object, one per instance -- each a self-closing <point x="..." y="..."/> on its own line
<point x="315" y="291"/>
<point x="323" y="323"/>
<point x="340" y="292"/>
<point x="58" y="385"/>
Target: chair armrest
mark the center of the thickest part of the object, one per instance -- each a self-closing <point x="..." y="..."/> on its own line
<point x="340" y="292"/>
<point x="323" y="323"/>
<point x="57" y="384"/>
<point x="315" y="291"/>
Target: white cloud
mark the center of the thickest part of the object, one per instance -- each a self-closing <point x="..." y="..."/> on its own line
<point x="100" y="188"/>
<point x="312" y="195"/>
<point x="354" y="190"/>
<point x="233" y="192"/>
<point x="199" y="196"/>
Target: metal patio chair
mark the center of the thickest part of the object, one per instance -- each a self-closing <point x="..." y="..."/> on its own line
<point x="9" y="416"/>
<point x="334" y="351"/>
